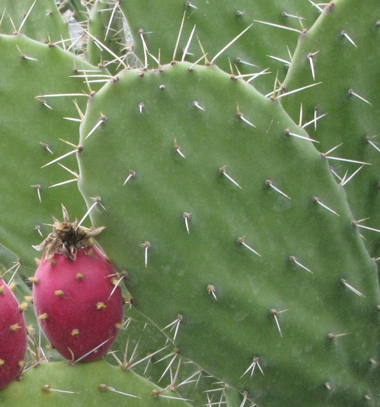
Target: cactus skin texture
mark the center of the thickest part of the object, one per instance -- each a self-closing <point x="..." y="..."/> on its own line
<point x="217" y="24"/>
<point x="33" y="128"/>
<point x="230" y="254"/>
<point x="77" y="305"/>
<point x="38" y="19"/>
<point x="60" y="384"/>
<point x="106" y="25"/>
<point x="183" y="176"/>
<point x="351" y="122"/>
<point x="13" y="336"/>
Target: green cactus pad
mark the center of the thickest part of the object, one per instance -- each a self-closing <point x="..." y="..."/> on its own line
<point x="38" y="19"/>
<point x="10" y="268"/>
<point x="107" y="42"/>
<point x="79" y="9"/>
<point x="85" y="384"/>
<point x="347" y="46"/>
<point x="237" y="241"/>
<point x="32" y="126"/>
<point x="144" y="347"/>
<point x="217" y="24"/>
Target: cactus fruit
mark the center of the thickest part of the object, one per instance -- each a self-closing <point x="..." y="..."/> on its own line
<point x="76" y="295"/>
<point x="13" y="336"/>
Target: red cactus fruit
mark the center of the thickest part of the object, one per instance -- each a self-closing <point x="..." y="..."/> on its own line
<point x="13" y="336"/>
<point x="76" y="295"/>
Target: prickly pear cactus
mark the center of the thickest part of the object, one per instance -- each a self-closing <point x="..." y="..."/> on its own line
<point x="38" y="129"/>
<point x="108" y="39"/>
<point x="238" y="235"/>
<point x="38" y="19"/>
<point x="230" y="226"/>
<point x="348" y="100"/>
<point x="59" y="383"/>
<point x="195" y="30"/>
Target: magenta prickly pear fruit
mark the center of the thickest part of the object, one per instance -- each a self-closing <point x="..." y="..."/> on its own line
<point x="76" y="295"/>
<point x="13" y="336"/>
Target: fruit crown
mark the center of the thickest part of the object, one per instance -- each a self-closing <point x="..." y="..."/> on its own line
<point x="67" y="237"/>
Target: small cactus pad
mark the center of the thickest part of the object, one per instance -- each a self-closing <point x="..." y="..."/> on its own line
<point x="237" y="240"/>
<point x="88" y="384"/>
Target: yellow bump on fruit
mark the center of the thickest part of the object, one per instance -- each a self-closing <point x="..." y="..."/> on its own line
<point x="34" y="280"/>
<point x="118" y="325"/>
<point x="101" y="305"/>
<point x="90" y="253"/>
<point x="15" y="327"/>
<point x="43" y="316"/>
<point x="75" y="332"/>
<point x="2" y="362"/>
<point x="21" y="363"/>
<point x="23" y="306"/>
<point x="2" y="289"/>
<point x="79" y="276"/>
<point x="52" y="262"/>
<point x="59" y="293"/>
<point x="115" y="281"/>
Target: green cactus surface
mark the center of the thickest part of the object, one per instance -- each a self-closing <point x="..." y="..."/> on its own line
<point x="10" y="270"/>
<point x="237" y="240"/>
<point x="145" y="349"/>
<point x="108" y="43"/>
<point x="33" y="127"/>
<point x="95" y="383"/>
<point x="344" y="63"/>
<point x="78" y="9"/>
<point x="244" y="228"/>
<point x="215" y="25"/>
<point x="38" y="19"/>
